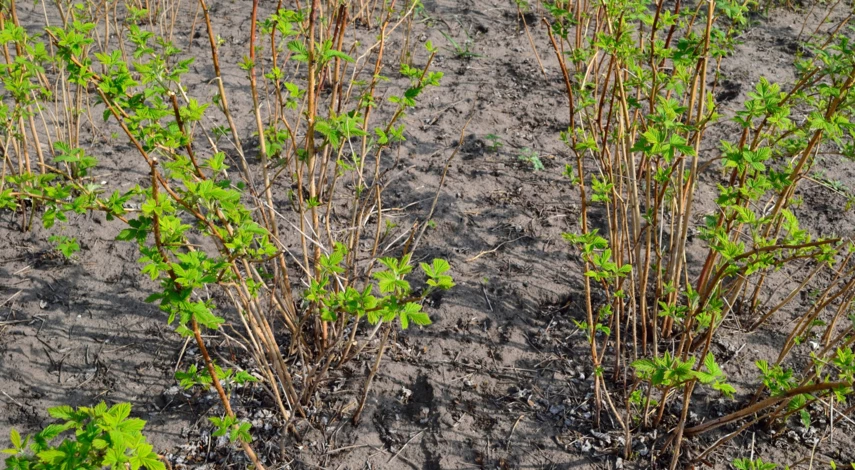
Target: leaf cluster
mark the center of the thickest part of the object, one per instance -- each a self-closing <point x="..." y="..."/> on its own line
<point x="91" y="438"/>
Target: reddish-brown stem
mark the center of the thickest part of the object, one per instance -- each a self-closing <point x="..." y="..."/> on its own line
<point x="197" y="334"/>
<point x="224" y="103"/>
<point x="189" y="146"/>
<point x="761" y="405"/>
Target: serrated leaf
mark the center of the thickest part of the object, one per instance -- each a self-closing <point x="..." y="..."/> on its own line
<point x="805" y="418"/>
<point x="148" y="460"/>
<point x="50" y="456"/>
<point x="386" y="281"/>
<point x="133" y="425"/>
<point x="113" y="457"/>
<point x="121" y="410"/>
<point x="644" y="366"/>
<point x="421" y="319"/>
<point x="15" y="438"/>
<point x="704" y="377"/>
<point x="712" y="367"/>
<point x="52" y="430"/>
<point x="440" y="266"/>
<point x="726" y="389"/>
<point x="61" y="412"/>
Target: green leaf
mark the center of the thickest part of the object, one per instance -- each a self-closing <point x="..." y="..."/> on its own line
<point x="386" y="281"/>
<point x="134" y="425"/>
<point x="52" y="430"/>
<point x="644" y="366"/>
<point x="712" y="367"/>
<point x="148" y="460"/>
<point x="143" y="456"/>
<point x="421" y="319"/>
<point x="243" y="377"/>
<point x="62" y="412"/>
<point x="114" y="457"/>
<point x="725" y="388"/>
<point x="51" y="456"/>
<point x="301" y="52"/>
<point x="205" y="317"/>
<point x="440" y="266"/>
<point x="704" y="377"/>
<point x="121" y="410"/>
<point x="805" y="418"/>
<point x="15" y="438"/>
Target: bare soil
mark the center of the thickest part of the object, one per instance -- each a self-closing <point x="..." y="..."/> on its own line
<point x="500" y="380"/>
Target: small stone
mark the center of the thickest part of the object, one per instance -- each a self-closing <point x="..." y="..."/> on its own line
<point x="601" y="436"/>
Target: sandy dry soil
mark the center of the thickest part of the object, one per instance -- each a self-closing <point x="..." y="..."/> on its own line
<point x="499" y="380"/>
